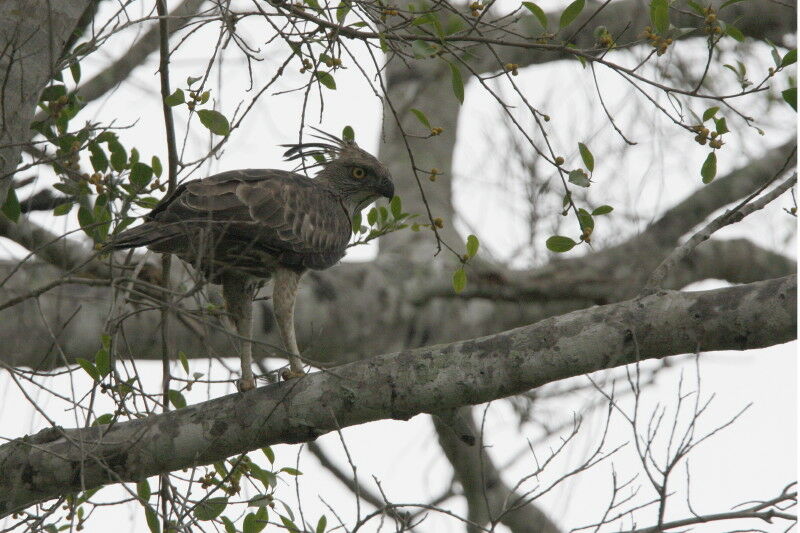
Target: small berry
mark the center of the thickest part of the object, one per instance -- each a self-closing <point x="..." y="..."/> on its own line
<point x="559" y="160"/>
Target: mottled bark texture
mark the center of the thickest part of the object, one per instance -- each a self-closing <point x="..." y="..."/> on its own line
<point x="33" y="34"/>
<point x="399" y="386"/>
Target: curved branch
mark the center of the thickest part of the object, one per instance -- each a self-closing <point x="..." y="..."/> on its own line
<point x="398" y="386"/>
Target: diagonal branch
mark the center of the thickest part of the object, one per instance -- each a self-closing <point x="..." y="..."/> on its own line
<point x="398" y="386"/>
<point x="725" y="219"/>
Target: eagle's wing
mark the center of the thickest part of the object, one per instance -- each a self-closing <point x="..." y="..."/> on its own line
<point x="252" y="213"/>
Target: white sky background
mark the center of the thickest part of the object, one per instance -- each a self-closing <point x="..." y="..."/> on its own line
<point x="754" y="459"/>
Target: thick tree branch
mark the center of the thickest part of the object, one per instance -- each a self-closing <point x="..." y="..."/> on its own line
<point x="626" y="19"/>
<point x="119" y="70"/>
<point x="400" y="386"/>
<point x="33" y="34"/>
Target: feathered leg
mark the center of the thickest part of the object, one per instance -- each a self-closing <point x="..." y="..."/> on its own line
<point x="284" y="291"/>
<point x="238" y="292"/>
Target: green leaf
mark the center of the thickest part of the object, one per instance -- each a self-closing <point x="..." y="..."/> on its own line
<point x="421" y="117"/>
<point x="453" y="25"/>
<point x="586" y="155"/>
<point x="191" y="80"/>
<point x="659" y="15"/>
<point x="75" y="70"/>
<point x="155" y="163"/>
<point x="697" y="8"/>
<point x="559" y="243"/>
<point x="269" y="454"/>
<point x="229" y="527"/>
<point x="422" y="50"/>
<point x="267" y="478"/>
<point x="579" y="178"/>
<point x="211" y="508"/>
<point x="734" y="32"/>
<point x="709" y="168"/>
<point x="356" y="223"/>
<point x="148" y="202"/>
<point x="289" y="525"/>
<point x="459" y="280"/>
<point x="89" y="368"/>
<point x="62" y="209"/>
<point x="141" y="174"/>
<point x="184" y="361"/>
<point x="472" y="245"/>
<point x="776" y="57"/>
<point x="372" y="216"/>
<point x="86" y="219"/>
<point x="134" y="158"/>
<point x="11" y="208"/>
<point x="790" y="96"/>
<point x="585" y="219"/>
<point x="214" y="121"/>
<point x="98" y="157"/>
<point x="538" y="12"/>
<point x="119" y="157"/>
<point x="602" y="210"/>
<point x="54" y="92"/>
<point x="153" y="523"/>
<point x="789" y="59"/>
<point x="143" y="490"/>
<point x="321" y="524"/>
<point x="103" y="420"/>
<point x="721" y="125"/>
<point x="255" y="522"/>
<point x="396" y="207"/>
<point x="457" y="82"/>
<point x="421" y="20"/>
<point x="177" y="399"/>
<point x="710" y="112"/>
<point x="571" y="12"/>
<point x="259" y="500"/>
<point x="348" y="134"/>
<point x="326" y="79"/>
<point x="291" y="471"/>
<point x="102" y="361"/>
<point x="176" y="98"/>
<point x="342" y="10"/>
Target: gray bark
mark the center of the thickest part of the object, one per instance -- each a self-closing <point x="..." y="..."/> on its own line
<point x="399" y="386"/>
<point x="33" y="34"/>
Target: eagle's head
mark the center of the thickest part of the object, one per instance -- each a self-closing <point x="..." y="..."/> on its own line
<point x="354" y="173"/>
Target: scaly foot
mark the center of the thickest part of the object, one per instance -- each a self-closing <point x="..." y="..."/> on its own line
<point x="243" y="385"/>
<point x="292" y="374"/>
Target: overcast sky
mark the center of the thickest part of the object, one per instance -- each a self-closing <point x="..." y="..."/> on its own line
<point x="753" y="459"/>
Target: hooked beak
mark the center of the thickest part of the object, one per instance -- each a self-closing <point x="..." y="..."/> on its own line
<point x="386" y="188"/>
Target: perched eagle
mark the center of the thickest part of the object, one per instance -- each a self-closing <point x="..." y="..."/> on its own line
<point x="241" y="228"/>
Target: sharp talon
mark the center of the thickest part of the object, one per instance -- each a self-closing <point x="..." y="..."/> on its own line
<point x="243" y="385"/>
<point x="292" y="374"/>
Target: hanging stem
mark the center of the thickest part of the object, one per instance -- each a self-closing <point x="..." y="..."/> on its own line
<point x="166" y="260"/>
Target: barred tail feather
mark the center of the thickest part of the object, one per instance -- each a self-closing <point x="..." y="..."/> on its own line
<point x="144" y="235"/>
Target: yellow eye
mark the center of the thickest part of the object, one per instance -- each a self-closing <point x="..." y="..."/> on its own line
<point x="358" y="173"/>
